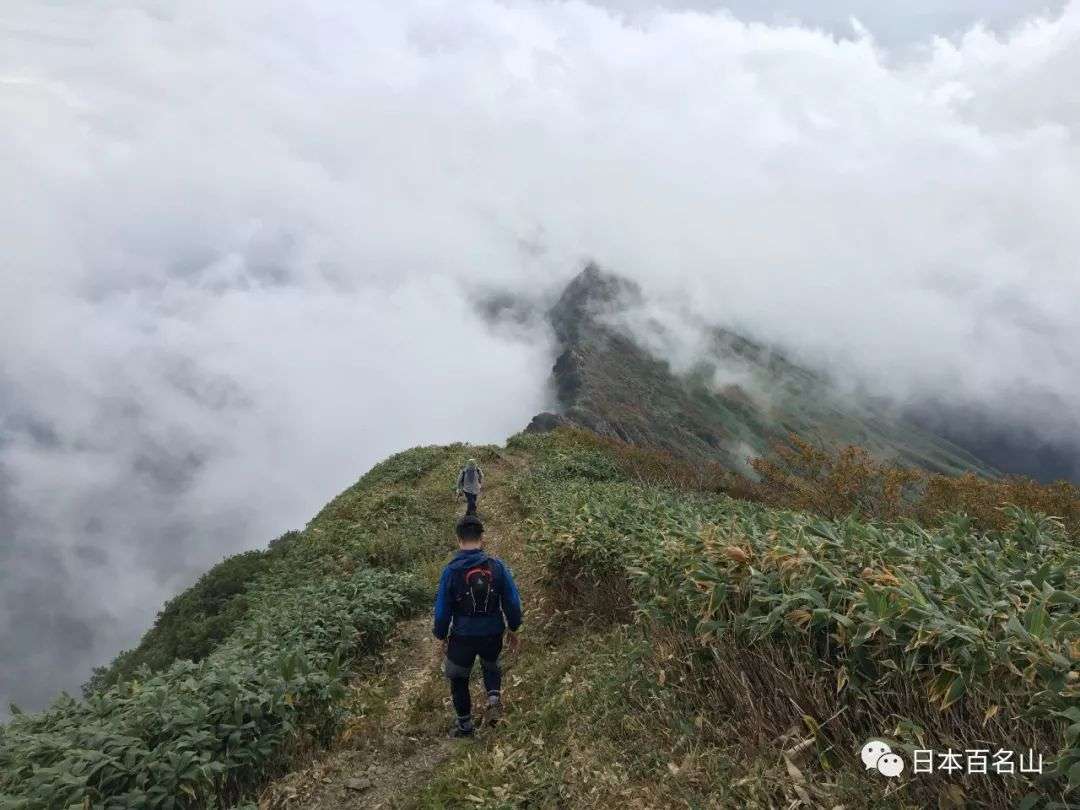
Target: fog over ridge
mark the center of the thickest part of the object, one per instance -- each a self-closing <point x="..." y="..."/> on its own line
<point x="244" y="243"/>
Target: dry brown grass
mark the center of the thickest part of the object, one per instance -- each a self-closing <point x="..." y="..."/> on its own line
<point x="799" y="475"/>
<point x="770" y="696"/>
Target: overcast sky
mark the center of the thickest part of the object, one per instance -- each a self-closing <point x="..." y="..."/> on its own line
<point x="241" y="239"/>
<point x="892" y="23"/>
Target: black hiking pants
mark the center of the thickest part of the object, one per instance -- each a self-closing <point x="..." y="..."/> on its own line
<point x="470" y="503"/>
<point x="461" y="651"/>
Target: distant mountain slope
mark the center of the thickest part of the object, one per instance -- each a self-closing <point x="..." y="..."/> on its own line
<point x="730" y="405"/>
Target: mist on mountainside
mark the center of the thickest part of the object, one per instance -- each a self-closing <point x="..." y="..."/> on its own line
<point x="249" y="250"/>
<point x="725" y="399"/>
<point x="1008" y="442"/>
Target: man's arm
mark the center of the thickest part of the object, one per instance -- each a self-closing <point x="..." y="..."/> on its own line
<point x="511" y="605"/>
<point x="443" y="607"/>
<point x="461" y="480"/>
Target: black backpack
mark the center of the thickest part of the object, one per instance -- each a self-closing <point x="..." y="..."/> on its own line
<point x="476" y="589"/>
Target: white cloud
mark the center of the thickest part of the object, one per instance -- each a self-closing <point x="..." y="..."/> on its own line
<point x="899" y="24"/>
<point x="239" y="240"/>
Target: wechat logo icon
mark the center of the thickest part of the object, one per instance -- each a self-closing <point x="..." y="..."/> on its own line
<point x="878" y="756"/>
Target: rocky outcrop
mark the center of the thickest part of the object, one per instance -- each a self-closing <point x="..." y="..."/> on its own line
<point x="546" y="421"/>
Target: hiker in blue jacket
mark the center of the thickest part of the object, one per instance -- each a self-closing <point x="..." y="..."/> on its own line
<point x="476" y="603"/>
<point x="470" y="481"/>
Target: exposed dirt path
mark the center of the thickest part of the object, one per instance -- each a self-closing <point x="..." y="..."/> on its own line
<point x="378" y="754"/>
<point x="396" y="736"/>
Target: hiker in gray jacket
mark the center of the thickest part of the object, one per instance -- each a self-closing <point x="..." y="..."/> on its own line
<point x="470" y="481"/>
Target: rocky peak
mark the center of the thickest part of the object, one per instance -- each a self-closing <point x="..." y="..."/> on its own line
<point x="593" y="292"/>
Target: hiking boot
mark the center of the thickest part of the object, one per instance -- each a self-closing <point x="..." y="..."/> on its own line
<point x="493" y="713"/>
<point x="462" y="730"/>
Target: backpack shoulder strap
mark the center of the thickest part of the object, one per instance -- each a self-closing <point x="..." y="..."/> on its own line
<point x="496" y="566"/>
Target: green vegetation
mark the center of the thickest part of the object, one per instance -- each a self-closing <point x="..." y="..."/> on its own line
<point x="260" y="647"/>
<point x="701" y="650"/>
<point x="190" y="626"/>
<point x="684" y="647"/>
<point x="372" y="522"/>
<point x="199" y="732"/>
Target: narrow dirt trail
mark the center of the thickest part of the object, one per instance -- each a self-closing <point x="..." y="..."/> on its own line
<point x="396" y="737"/>
<point x="378" y="754"/>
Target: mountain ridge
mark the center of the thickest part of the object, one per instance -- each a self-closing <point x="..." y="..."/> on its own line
<point x="685" y="646"/>
<point x="605" y="380"/>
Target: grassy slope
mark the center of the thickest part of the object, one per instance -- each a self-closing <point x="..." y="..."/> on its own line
<point x="677" y="645"/>
<point x="715" y="635"/>
<point x="196" y="734"/>
<point x="196" y="621"/>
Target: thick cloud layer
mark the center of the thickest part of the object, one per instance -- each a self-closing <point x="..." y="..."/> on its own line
<point x="240" y="241"/>
<point x="896" y="24"/>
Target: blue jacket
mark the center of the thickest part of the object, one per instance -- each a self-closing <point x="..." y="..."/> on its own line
<point x="510" y="601"/>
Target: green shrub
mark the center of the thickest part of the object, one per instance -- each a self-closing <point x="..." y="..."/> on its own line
<point x="245" y="667"/>
<point x="944" y="633"/>
<point x="404" y="467"/>
<point x="192" y="624"/>
<point x="200" y="732"/>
